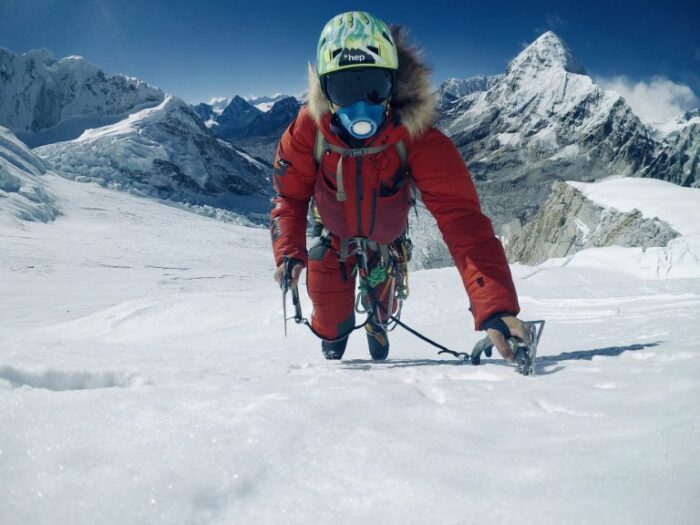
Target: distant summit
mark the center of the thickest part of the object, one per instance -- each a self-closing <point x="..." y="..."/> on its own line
<point x="45" y="100"/>
<point x="254" y="123"/>
<point x="543" y="120"/>
<point x="265" y="102"/>
<point x="547" y="52"/>
<point x="455" y="88"/>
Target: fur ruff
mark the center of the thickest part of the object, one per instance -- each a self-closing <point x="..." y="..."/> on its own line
<point x="413" y="102"/>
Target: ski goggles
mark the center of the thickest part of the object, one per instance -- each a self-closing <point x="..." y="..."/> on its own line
<point x="345" y="87"/>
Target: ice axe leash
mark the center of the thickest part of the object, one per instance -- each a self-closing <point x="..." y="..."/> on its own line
<point x="298" y="317"/>
<point x="286" y="286"/>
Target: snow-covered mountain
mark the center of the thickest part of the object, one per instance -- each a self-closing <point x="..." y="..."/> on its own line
<point x="44" y="100"/>
<point x="166" y="152"/>
<point x="233" y="121"/>
<point x="663" y="129"/>
<point x="265" y="103"/>
<point x="544" y="120"/>
<point x="208" y="112"/>
<point x="274" y="121"/>
<point x="455" y="88"/>
<point x="22" y="192"/>
<point x="677" y="158"/>
<point x="255" y="130"/>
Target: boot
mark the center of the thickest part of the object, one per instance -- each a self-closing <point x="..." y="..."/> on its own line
<point x="378" y="341"/>
<point x="334" y="350"/>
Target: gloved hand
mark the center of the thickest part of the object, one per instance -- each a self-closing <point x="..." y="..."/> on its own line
<point x="494" y="329"/>
<point x="297" y="267"/>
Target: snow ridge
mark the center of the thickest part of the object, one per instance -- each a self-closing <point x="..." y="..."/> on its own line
<point x="165" y="152"/>
<point x="40" y="92"/>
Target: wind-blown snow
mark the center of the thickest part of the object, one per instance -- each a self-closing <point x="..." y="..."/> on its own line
<point x="144" y="379"/>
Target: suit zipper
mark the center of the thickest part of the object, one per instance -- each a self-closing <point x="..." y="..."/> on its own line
<point x="358" y="187"/>
<point x="374" y="212"/>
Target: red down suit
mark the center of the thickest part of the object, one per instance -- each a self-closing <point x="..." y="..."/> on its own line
<point x="445" y="186"/>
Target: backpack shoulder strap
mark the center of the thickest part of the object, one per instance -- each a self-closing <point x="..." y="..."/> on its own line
<point x="401" y="151"/>
<point x="400" y="148"/>
<point x="319" y="146"/>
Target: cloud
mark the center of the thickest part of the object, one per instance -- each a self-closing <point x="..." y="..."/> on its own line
<point x="658" y="100"/>
<point x="552" y="22"/>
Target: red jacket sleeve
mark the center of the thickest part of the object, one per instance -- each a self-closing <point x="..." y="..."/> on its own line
<point x="294" y="174"/>
<point x="448" y="192"/>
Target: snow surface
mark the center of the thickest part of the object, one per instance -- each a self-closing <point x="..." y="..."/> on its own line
<point x="144" y="379"/>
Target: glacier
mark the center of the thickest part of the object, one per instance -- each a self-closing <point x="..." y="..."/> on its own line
<point x="22" y="192"/>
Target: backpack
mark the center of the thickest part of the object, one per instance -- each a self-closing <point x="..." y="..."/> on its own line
<point x="321" y="146"/>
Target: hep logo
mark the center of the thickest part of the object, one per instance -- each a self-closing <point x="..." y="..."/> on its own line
<point x="356" y="58"/>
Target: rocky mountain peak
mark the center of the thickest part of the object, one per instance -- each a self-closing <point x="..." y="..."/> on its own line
<point x="40" y="55"/>
<point x="546" y="53"/>
<point x="284" y="105"/>
<point x="238" y="102"/>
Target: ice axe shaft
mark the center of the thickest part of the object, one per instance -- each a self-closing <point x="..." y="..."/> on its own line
<point x="286" y="285"/>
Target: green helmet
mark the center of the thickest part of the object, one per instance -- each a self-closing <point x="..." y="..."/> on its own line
<point x="355" y="39"/>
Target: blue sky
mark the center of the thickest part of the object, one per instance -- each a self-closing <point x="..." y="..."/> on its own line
<point x="200" y="49"/>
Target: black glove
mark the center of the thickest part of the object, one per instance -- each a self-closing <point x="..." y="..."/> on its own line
<point x="496" y="323"/>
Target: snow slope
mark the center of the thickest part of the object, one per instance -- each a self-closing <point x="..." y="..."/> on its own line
<point x="144" y="379"/>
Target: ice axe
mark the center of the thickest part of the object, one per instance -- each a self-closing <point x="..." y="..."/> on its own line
<point x="286" y="285"/>
<point x="524" y="350"/>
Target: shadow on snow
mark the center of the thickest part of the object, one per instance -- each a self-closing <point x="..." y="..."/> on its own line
<point x="542" y="361"/>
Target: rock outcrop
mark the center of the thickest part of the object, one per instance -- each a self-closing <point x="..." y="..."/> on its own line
<point x="569" y="222"/>
<point x="677" y="159"/>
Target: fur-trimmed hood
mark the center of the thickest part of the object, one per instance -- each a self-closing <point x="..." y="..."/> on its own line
<point x="413" y="102"/>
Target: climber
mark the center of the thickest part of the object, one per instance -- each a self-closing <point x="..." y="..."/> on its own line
<point x="359" y="150"/>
